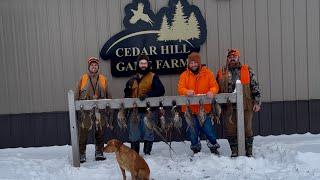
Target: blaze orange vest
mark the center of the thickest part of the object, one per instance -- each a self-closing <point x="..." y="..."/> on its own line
<point x="100" y="90"/>
<point x="145" y="85"/>
<point x="244" y="74"/>
<point x="245" y="81"/>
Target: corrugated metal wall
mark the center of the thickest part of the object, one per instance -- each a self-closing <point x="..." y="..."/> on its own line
<point x="44" y="45"/>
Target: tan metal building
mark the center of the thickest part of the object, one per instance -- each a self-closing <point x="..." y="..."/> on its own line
<point x="44" y="45"/>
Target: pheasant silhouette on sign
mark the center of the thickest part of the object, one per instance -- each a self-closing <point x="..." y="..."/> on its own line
<point x="139" y="15"/>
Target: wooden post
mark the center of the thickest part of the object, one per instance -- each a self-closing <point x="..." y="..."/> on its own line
<point x="240" y="119"/>
<point x="73" y="130"/>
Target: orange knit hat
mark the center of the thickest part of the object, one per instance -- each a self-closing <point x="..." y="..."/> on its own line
<point x="233" y="52"/>
<point x="194" y="57"/>
<point x="93" y="59"/>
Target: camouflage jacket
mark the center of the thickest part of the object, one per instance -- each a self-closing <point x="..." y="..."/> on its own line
<point x="234" y="75"/>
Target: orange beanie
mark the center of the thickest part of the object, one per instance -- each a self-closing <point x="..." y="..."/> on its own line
<point x="194" y="57"/>
<point x="233" y="52"/>
<point x="93" y="59"/>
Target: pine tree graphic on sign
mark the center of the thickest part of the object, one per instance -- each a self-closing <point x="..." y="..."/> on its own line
<point x="193" y="27"/>
<point x="165" y="31"/>
<point x="183" y="27"/>
<point x="179" y="24"/>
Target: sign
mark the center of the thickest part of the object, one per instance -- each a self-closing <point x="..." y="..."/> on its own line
<point x="167" y="37"/>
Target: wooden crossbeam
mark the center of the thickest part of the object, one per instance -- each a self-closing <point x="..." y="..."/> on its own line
<point x="154" y="101"/>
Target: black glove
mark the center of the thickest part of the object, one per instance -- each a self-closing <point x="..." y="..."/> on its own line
<point x="143" y="97"/>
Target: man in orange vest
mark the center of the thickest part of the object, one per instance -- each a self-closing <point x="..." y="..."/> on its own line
<point x="198" y="79"/>
<point x="142" y="85"/>
<point x="92" y="85"/>
<point x="227" y="77"/>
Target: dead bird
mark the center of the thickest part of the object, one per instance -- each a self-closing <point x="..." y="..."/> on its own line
<point x="152" y="126"/>
<point x="148" y="118"/>
<point x="162" y="117"/>
<point x="215" y="112"/>
<point x="134" y="115"/>
<point x="97" y="119"/>
<point x="177" y="121"/>
<point x="81" y="116"/>
<point x="122" y="117"/>
<point x="202" y="113"/>
<point x="228" y="112"/>
<point x="109" y="116"/>
<point x="188" y="116"/>
<point x="165" y="124"/>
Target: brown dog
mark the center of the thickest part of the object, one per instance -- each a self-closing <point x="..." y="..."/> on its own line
<point x="128" y="160"/>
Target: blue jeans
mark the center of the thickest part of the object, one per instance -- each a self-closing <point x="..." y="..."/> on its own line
<point x="207" y="129"/>
<point x="138" y="131"/>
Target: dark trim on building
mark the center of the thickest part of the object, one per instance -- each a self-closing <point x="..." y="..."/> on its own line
<point x="52" y="128"/>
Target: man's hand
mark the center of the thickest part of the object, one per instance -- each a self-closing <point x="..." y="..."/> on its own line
<point x="190" y="92"/>
<point x="210" y="94"/>
<point x="256" y="108"/>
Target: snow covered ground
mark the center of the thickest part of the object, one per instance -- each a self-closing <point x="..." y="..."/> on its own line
<point x="276" y="157"/>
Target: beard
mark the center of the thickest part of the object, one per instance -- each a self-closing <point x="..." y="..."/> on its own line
<point x="234" y="64"/>
<point x="195" y="70"/>
<point x="143" y="71"/>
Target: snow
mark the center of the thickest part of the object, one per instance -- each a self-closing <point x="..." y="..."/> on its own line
<point x="276" y="157"/>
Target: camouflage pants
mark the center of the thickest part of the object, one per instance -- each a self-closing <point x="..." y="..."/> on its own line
<point x="84" y="126"/>
<point x="230" y="121"/>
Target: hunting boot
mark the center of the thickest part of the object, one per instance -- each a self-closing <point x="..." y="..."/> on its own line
<point x="196" y="148"/>
<point x="99" y="156"/>
<point x="233" y="146"/>
<point x="214" y="149"/>
<point x="135" y="146"/>
<point x="83" y="158"/>
<point x="249" y="142"/>
<point x="147" y="147"/>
